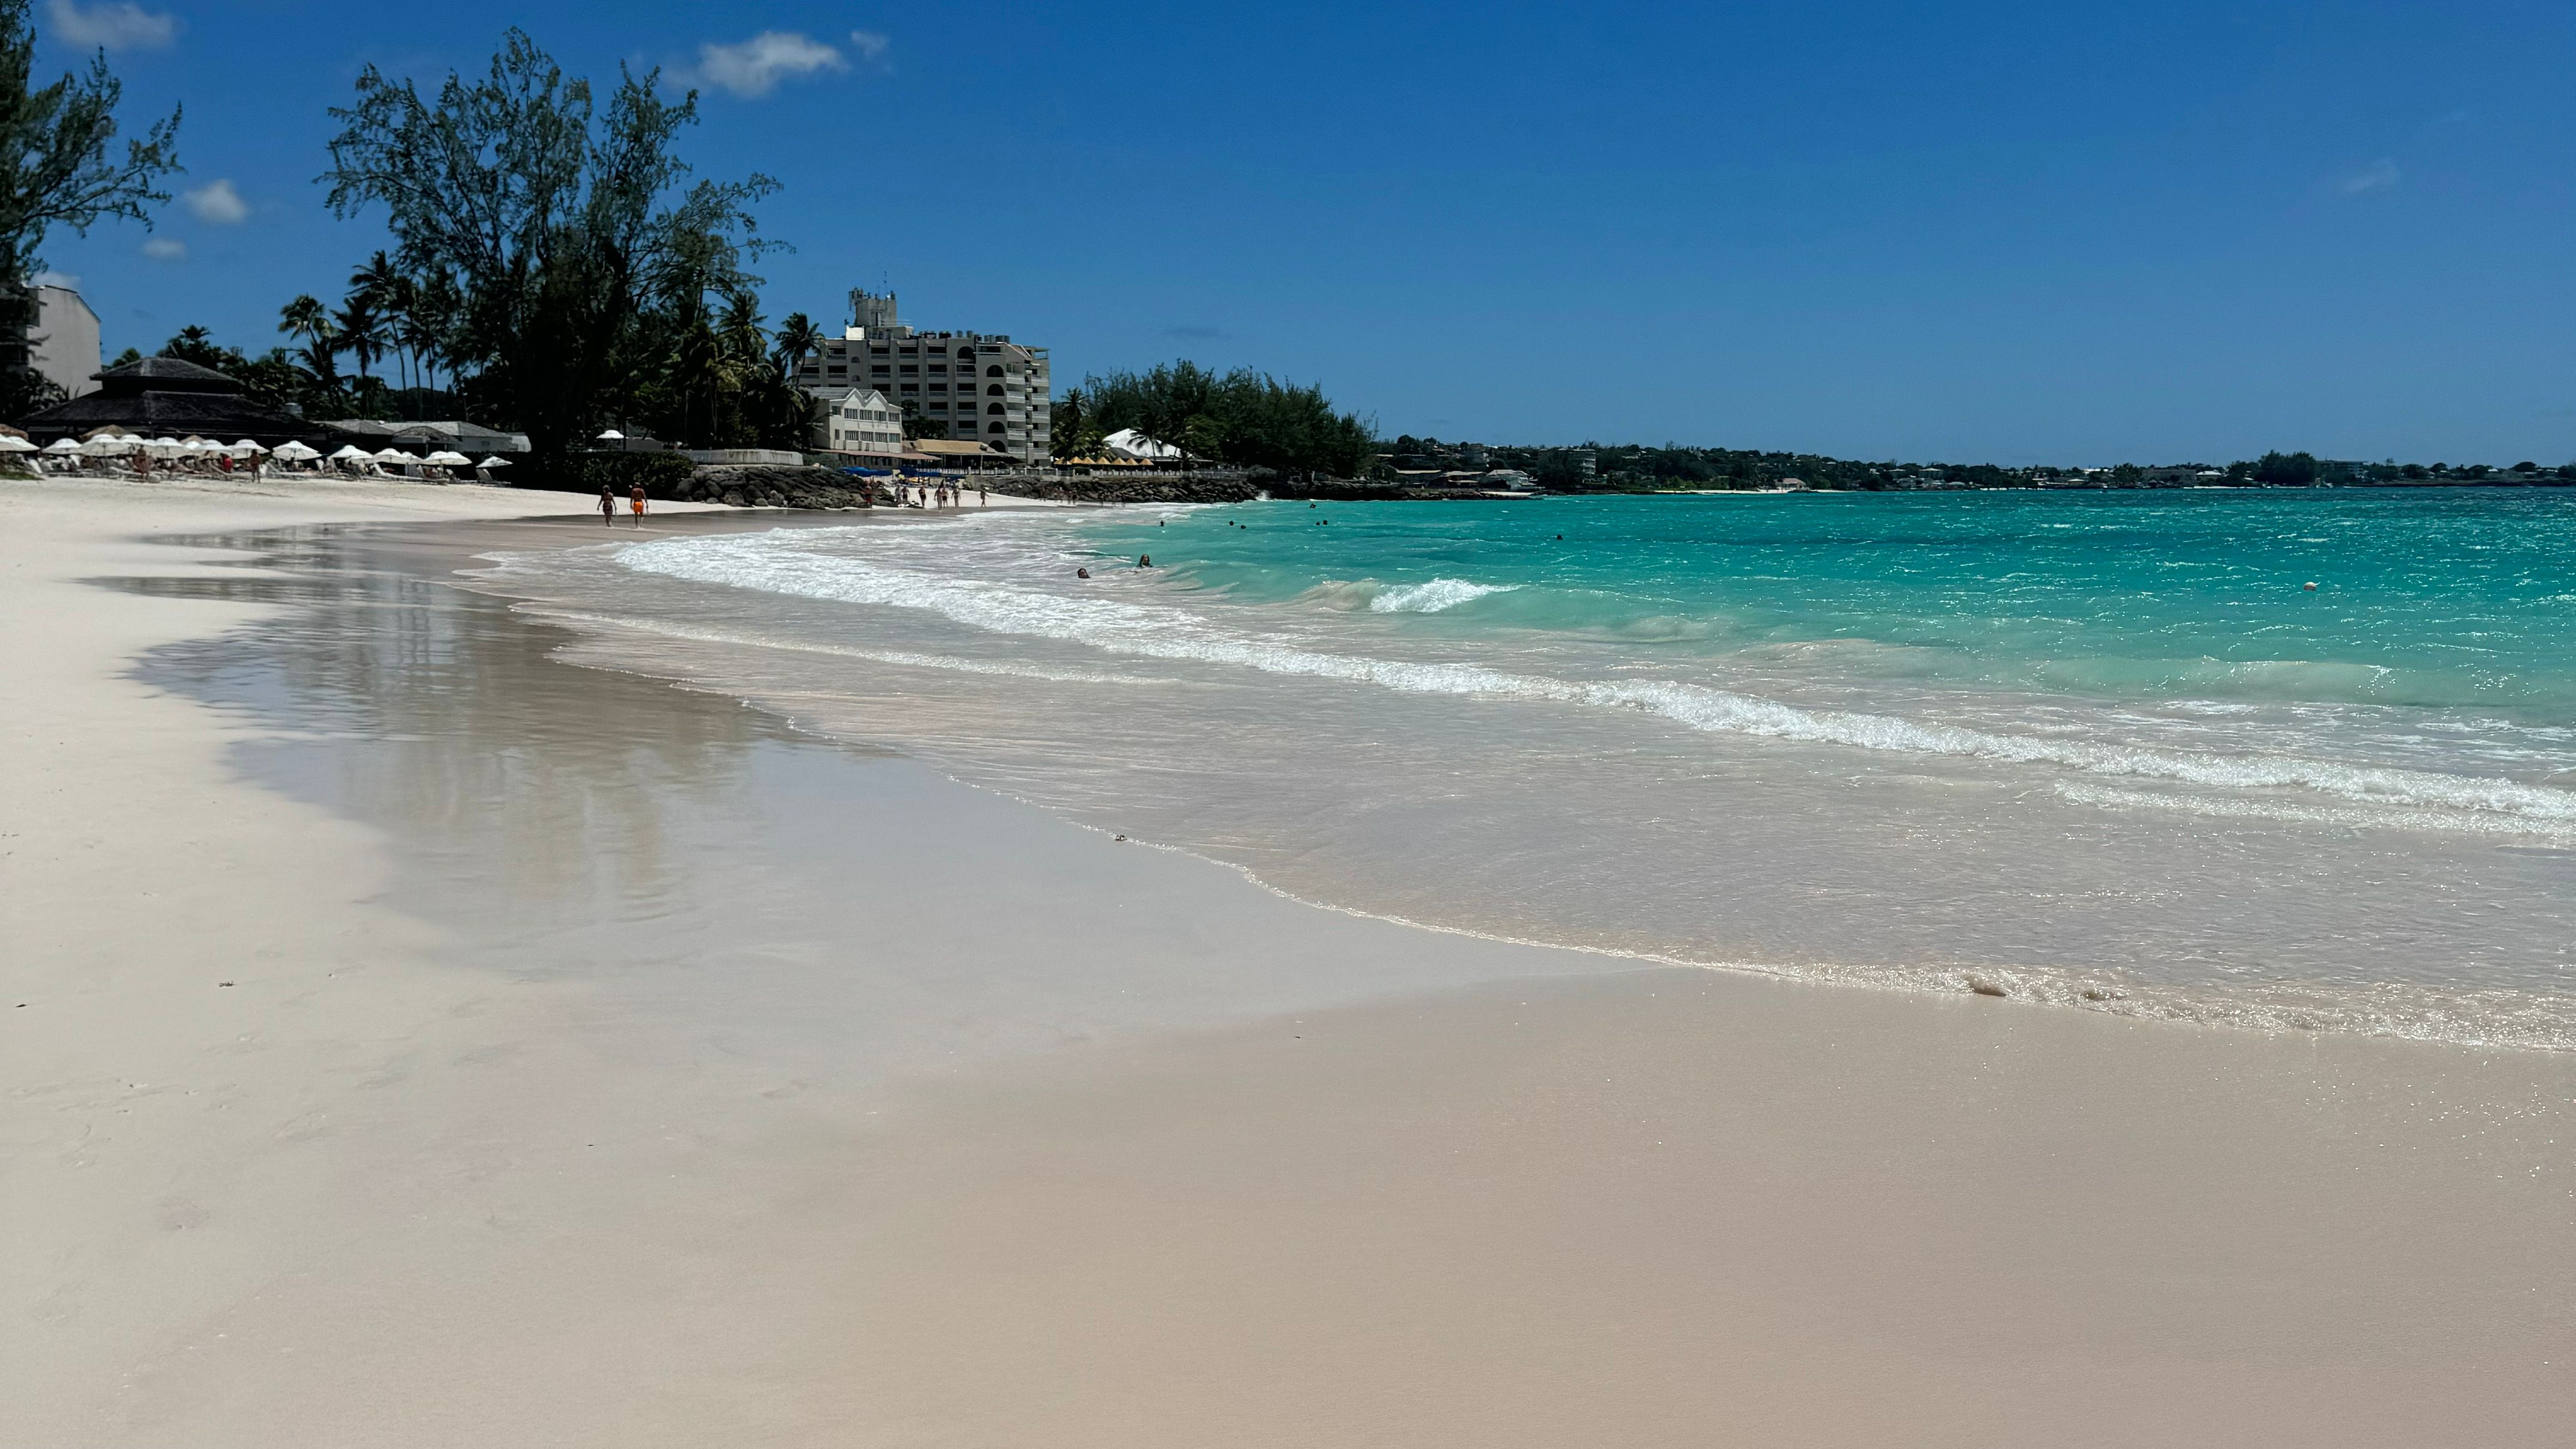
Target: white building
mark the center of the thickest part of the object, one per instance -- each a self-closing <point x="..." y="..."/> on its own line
<point x="64" y="342"/>
<point x="983" y="386"/>
<point x="856" y="420"/>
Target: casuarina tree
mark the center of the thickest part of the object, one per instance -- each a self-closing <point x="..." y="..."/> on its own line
<point x="579" y="254"/>
<point x="59" y="168"/>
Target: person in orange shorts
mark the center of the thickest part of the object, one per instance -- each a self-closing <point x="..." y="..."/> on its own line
<point x="638" y="505"/>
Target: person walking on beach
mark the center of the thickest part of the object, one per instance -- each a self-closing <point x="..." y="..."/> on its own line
<point x="639" y="505"/>
<point x="607" y="507"/>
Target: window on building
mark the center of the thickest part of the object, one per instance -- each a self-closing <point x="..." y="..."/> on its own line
<point x="995" y="409"/>
<point x="938" y="368"/>
<point x="993" y="371"/>
<point x="993" y="428"/>
<point x="994" y="391"/>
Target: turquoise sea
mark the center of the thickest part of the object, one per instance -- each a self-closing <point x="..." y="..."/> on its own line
<point x="2106" y="750"/>
<point x="2440" y="598"/>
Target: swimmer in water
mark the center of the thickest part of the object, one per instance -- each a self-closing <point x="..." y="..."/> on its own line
<point x="1144" y="560"/>
<point x="1082" y="573"/>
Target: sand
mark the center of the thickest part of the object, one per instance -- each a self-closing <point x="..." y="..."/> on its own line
<point x="608" y="1064"/>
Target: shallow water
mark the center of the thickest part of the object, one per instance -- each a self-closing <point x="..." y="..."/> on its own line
<point x="2106" y="750"/>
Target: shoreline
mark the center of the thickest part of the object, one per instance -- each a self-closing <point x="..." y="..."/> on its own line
<point x="823" y="693"/>
<point x="602" y="1062"/>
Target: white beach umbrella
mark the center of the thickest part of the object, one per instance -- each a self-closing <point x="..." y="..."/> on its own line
<point x="295" y="452"/>
<point x="611" y="436"/>
<point x="110" y="446"/>
<point x="494" y="462"/>
<point x="351" y="453"/>
<point x="11" y="444"/>
<point x="63" y="447"/>
<point x="246" y="446"/>
<point x="446" y="459"/>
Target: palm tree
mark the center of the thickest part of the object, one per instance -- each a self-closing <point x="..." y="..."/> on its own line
<point x="319" y="356"/>
<point x="376" y="282"/>
<point x="395" y="299"/>
<point x="307" y="318"/>
<point x="740" y="327"/>
<point x="798" y="339"/>
<point x="361" y="333"/>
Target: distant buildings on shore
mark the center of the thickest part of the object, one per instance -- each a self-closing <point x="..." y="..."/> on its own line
<point x="1632" y="468"/>
<point x="857" y="420"/>
<point x="979" y="387"/>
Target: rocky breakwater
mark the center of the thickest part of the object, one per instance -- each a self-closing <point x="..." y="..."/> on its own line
<point x="775" y="486"/>
<point x="1145" y="488"/>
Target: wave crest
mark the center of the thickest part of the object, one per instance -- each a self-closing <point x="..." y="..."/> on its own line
<point x="1432" y="597"/>
<point x="788" y="564"/>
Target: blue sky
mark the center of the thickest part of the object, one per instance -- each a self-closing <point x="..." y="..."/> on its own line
<point x="2018" y="233"/>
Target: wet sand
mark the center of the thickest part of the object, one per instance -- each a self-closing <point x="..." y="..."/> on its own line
<point x="608" y="1063"/>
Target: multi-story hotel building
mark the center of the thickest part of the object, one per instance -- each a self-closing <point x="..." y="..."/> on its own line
<point x="982" y="385"/>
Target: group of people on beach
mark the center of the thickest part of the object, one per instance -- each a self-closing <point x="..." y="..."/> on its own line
<point x="907" y="495"/>
<point x="937" y="495"/>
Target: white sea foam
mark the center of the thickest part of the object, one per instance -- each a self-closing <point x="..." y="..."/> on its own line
<point x="794" y="563"/>
<point x="2359" y="817"/>
<point x="906" y="657"/>
<point x="1432" y="597"/>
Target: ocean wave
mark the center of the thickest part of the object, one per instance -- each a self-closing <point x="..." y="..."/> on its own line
<point x="908" y="658"/>
<point x="794" y="563"/>
<point x="1432" y="597"/>
<point x="2356" y="816"/>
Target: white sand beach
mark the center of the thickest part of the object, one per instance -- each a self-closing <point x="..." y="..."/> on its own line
<point x="412" y="1039"/>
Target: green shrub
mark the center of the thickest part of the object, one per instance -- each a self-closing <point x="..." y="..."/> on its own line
<point x="662" y="474"/>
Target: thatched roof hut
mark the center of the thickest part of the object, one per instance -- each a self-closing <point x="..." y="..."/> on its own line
<point x="164" y="397"/>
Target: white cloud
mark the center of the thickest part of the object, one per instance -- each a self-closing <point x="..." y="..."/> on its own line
<point x="218" y="202"/>
<point x="166" y="249"/>
<point x="121" y="26"/>
<point x="870" y="44"/>
<point x="755" y="67"/>
<point x="2379" y="175"/>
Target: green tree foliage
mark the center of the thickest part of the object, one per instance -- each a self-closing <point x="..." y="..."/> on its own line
<point x="580" y="265"/>
<point x="1243" y="417"/>
<point x="798" y="338"/>
<point x="662" y="474"/>
<point x="1076" y="433"/>
<point x="273" y="378"/>
<point x="58" y="169"/>
<point x="2291" y="470"/>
